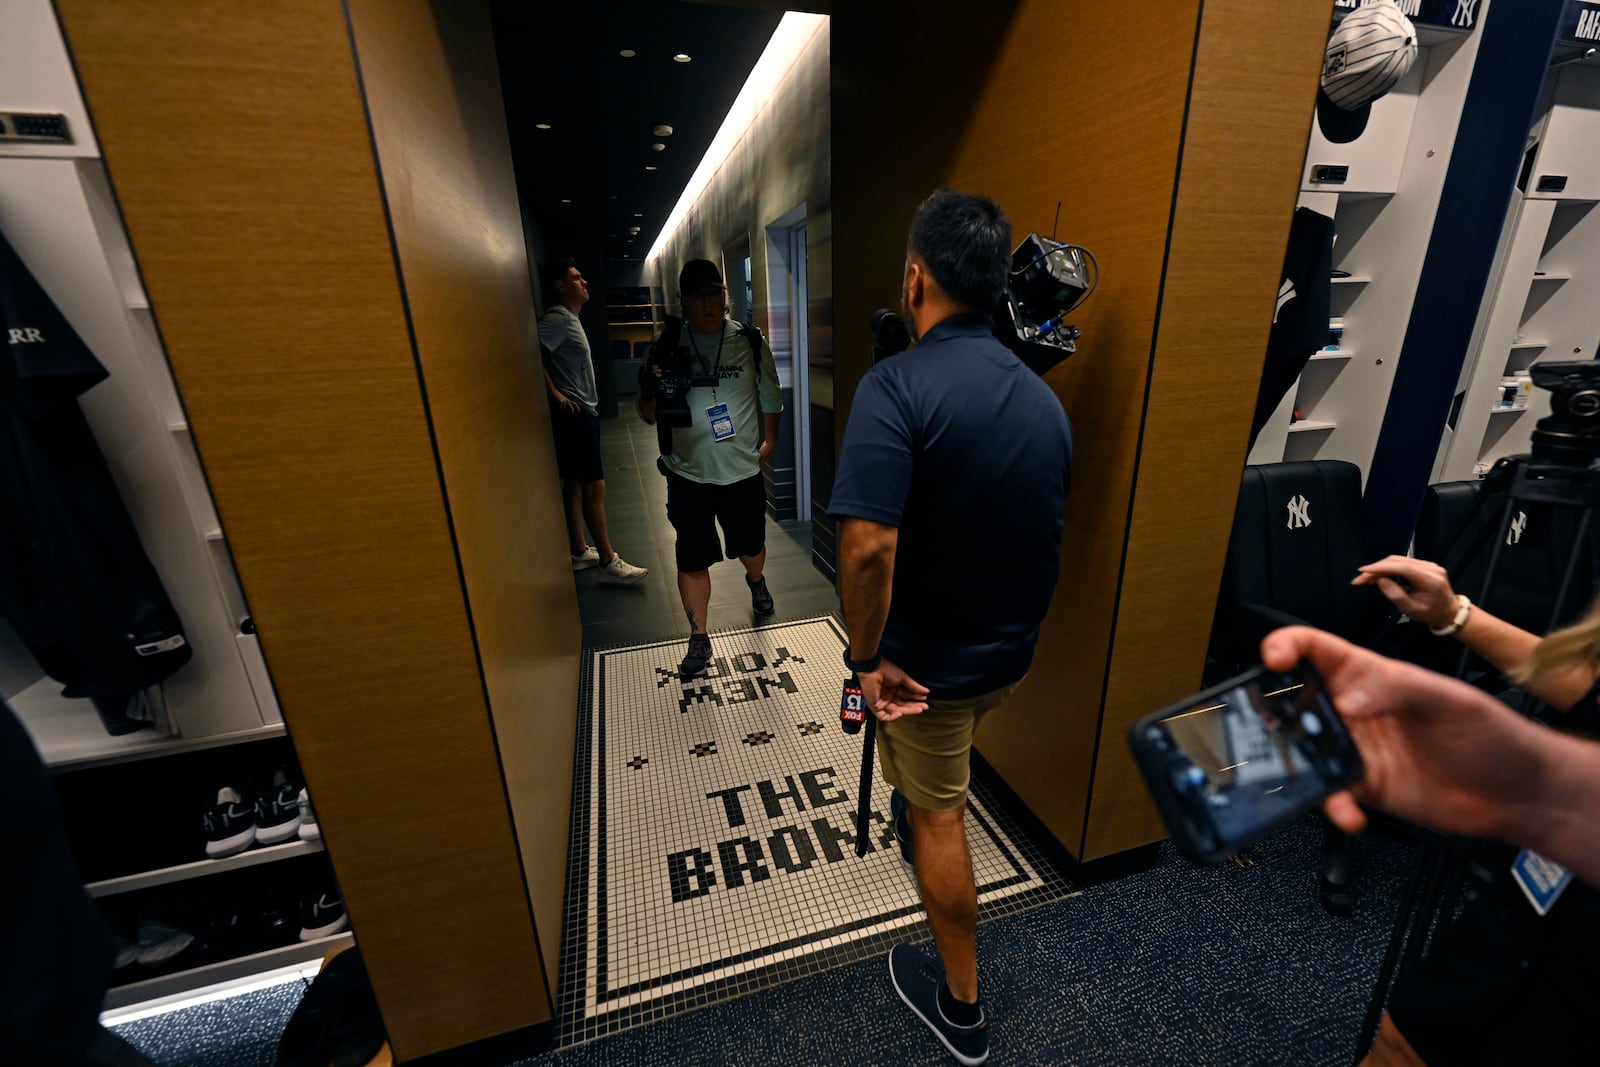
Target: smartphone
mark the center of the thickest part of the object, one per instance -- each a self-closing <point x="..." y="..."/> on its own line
<point x="1230" y="764"/>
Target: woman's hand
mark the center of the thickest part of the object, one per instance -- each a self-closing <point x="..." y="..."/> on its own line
<point x="1417" y="587"/>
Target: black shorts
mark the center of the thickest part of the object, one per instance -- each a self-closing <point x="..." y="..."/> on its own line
<point x="695" y="510"/>
<point x="577" y="444"/>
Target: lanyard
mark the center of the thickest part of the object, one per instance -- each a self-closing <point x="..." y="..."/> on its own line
<point x="717" y="368"/>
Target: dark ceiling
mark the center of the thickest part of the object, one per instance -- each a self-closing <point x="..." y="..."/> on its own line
<point x="583" y="180"/>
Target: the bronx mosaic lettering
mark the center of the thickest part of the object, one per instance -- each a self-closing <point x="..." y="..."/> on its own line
<point x="789" y="849"/>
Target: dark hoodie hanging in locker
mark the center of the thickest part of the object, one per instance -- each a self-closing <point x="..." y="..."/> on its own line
<point x="1300" y="321"/>
<point x="75" y="582"/>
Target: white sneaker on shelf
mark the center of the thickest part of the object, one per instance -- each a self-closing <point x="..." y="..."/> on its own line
<point x="620" y="572"/>
<point x="589" y="557"/>
<point x="310" y="829"/>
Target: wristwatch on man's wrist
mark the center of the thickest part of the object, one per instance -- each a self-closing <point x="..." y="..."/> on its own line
<point x="862" y="666"/>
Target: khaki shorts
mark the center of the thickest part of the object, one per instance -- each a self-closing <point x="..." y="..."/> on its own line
<point x="928" y="757"/>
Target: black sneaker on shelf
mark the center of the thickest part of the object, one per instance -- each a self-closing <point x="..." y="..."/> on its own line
<point x="917" y="977"/>
<point x="321" y="916"/>
<point x="275" y="925"/>
<point x="760" y="597"/>
<point x="278" y="811"/>
<point x="230" y="824"/>
<point x="127" y="953"/>
<point x="160" y="943"/>
<point x="699" y="655"/>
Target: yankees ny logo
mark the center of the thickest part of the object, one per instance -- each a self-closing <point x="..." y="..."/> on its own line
<point x="1518" y="524"/>
<point x="1286" y="293"/>
<point x="1466" y="13"/>
<point x="1299" y="513"/>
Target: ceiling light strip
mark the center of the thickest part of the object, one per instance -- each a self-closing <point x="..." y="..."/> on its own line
<point x="789" y="41"/>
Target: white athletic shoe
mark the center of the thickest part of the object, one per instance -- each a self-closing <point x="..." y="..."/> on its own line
<point x="589" y="557"/>
<point x="620" y="572"/>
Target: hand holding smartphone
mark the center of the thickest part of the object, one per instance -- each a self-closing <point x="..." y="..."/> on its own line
<point x="1228" y="765"/>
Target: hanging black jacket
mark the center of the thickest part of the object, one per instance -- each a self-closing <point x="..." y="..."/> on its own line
<point x="74" y="579"/>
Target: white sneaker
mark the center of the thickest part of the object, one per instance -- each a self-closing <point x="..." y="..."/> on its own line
<point x="620" y="572"/>
<point x="589" y="557"/>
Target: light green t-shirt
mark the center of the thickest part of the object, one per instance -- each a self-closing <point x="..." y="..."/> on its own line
<point x="749" y="386"/>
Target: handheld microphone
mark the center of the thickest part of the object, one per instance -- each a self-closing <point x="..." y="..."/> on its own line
<point x="852" y="706"/>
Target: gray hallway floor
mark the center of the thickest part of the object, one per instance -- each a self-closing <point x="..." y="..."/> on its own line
<point x="636" y="514"/>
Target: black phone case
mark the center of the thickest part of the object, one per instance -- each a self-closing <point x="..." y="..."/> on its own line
<point x="1152" y="765"/>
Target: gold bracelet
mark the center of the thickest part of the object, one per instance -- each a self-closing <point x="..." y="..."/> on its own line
<point x="1463" y="609"/>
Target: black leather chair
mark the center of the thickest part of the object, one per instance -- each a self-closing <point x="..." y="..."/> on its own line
<point x="1295" y="546"/>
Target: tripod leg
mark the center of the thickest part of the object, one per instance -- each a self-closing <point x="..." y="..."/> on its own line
<point x="1391" y="954"/>
<point x="1488" y="574"/>
<point x="1338" y="871"/>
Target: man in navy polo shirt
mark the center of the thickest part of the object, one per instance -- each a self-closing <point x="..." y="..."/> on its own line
<point x="944" y="445"/>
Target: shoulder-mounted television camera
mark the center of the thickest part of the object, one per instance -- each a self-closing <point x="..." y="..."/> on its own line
<point x="1048" y="280"/>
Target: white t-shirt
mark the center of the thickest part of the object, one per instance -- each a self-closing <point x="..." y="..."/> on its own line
<point x="749" y="386"/>
<point x="570" y="365"/>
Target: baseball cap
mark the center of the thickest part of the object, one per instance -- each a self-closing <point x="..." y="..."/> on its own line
<point x="698" y="275"/>
<point x="1367" y="54"/>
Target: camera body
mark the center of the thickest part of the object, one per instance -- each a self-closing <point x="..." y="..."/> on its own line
<point x="1571" y="432"/>
<point x="672" y="388"/>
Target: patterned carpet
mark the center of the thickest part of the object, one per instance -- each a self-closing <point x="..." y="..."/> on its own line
<point x="1173" y="964"/>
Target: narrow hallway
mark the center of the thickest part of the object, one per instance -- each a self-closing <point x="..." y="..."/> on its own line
<point x="636" y="511"/>
<point x="713" y="847"/>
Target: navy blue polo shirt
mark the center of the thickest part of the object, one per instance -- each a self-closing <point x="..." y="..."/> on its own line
<point x="969" y="454"/>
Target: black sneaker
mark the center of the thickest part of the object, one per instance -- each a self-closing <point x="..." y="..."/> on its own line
<point x="160" y="942"/>
<point x="699" y="655"/>
<point x="760" y="598"/>
<point x="278" y="811"/>
<point x="900" y="816"/>
<point x="321" y="916"/>
<point x="230" y="824"/>
<point x="916" y="977"/>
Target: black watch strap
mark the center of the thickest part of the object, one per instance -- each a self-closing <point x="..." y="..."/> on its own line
<point x="862" y="666"/>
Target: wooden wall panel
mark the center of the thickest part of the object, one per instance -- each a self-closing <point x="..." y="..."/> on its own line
<point x="1255" y="84"/>
<point x="433" y="94"/>
<point x="1086" y="104"/>
<point x="237" y="142"/>
<point x="1096" y="129"/>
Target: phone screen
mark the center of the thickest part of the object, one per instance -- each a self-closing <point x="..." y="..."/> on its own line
<point x="1244" y="757"/>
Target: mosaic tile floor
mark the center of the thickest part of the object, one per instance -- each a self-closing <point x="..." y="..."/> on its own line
<point x="713" y="848"/>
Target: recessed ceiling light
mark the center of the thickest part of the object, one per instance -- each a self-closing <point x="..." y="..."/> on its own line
<point x="682" y="57"/>
<point x="566" y="200"/>
<point x="658" y="147"/>
<point x="541" y="125"/>
<point x="638" y="214"/>
<point x="627" y="53"/>
<point x="649" y="168"/>
<point x="613" y="196"/>
<point x="662" y="130"/>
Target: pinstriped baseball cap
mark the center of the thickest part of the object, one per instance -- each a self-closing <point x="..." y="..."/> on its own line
<point x="1368" y="53"/>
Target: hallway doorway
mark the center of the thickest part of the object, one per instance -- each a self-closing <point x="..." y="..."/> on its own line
<point x="788" y="312"/>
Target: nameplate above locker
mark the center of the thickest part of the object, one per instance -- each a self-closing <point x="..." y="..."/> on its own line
<point x="34" y="126"/>
<point x="1580" y="23"/>
<point x="1446" y="14"/>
